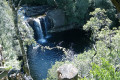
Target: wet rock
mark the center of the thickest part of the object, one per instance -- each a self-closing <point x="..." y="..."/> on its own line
<point x="30" y="21"/>
<point x="57" y="16"/>
<point x="67" y="72"/>
<point x="36" y="10"/>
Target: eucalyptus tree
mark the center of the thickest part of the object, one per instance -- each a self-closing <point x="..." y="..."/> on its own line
<point x="15" y="4"/>
<point x="8" y="52"/>
<point x="116" y="3"/>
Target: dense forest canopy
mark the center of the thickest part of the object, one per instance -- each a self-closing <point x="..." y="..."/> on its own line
<point x="101" y="61"/>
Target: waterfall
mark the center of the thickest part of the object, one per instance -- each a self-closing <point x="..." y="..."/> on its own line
<point x="40" y="26"/>
<point x="40" y="34"/>
<point x="47" y="26"/>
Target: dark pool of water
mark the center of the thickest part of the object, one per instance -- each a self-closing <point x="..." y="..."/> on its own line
<point x="40" y="61"/>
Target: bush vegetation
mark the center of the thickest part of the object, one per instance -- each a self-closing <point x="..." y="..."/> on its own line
<point x="77" y="9"/>
<point x="8" y="38"/>
<point x="100" y="61"/>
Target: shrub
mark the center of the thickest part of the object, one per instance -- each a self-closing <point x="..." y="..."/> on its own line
<point x="106" y="46"/>
<point x="105" y="71"/>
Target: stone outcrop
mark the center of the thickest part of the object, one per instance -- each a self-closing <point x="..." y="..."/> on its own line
<point x="67" y="72"/>
<point x="30" y="21"/>
<point x="57" y="17"/>
<point x="36" y="10"/>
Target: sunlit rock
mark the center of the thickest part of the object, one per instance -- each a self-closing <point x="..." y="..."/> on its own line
<point x="67" y="72"/>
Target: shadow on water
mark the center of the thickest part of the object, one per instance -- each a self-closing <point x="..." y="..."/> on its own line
<point x="74" y="39"/>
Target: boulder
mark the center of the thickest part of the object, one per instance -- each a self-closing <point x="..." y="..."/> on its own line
<point x="57" y="16"/>
<point x="67" y="72"/>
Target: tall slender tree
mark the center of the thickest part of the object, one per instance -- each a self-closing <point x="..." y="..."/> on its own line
<point x="116" y="3"/>
<point x="15" y="7"/>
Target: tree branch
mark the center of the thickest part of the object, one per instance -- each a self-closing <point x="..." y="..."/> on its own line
<point x="19" y="4"/>
<point x="3" y="68"/>
<point x="3" y="74"/>
<point x="116" y="3"/>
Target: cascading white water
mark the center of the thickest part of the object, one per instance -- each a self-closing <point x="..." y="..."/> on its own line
<point x="46" y="26"/>
<point x="40" y="31"/>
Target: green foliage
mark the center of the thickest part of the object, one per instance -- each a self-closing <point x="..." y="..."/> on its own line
<point x="97" y="22"/>
<point x="106" y="46"/>
<point x="78" y="9"/>
<point x="104" y="4"/>
<point x="74" y="9"/>
<point x="52" y="73"/>
<point x="111" y="11"/>
<point x="81" y="62"/>
<point x="106" y="40"/>
<point x="105" y="71"/>
<point x="8" y="38"/>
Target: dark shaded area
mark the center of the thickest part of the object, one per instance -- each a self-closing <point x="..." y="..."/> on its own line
<point x="76" y="39"/>
<point x="31" y="11"/>
<point x="33" y="2"/>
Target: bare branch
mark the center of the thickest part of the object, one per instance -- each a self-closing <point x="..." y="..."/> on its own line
<point x="11" y="4"/>
<point x="3" y="68"/>
<point x="19" y="4"/>
<point x="3" y="74"/>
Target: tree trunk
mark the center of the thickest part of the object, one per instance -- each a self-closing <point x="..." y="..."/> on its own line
<point x="116" y="3"/>
<point x="15" y="17"/>
<point x="3" y="74"/>
<point x="1" y="57"/>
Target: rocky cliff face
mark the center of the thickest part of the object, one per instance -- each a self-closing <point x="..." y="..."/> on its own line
<point x="36" y="10"/>
<point x="56" y="17"/>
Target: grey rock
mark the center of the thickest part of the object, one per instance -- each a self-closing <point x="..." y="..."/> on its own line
<point x="30" y="21"/>
<point x="67" y="72"/>
<point x="57" y="16"/>
<point x="36" y="10"/>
